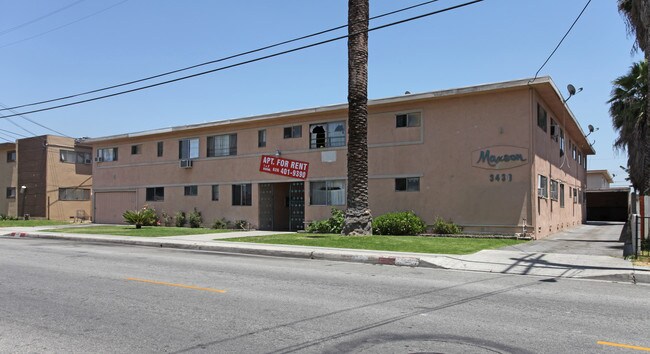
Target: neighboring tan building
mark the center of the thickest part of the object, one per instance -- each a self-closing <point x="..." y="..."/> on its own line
<point x="496" y="158"/>
<point x="54" y="178"/>
<point x="8" y="179"/>
<point x="605" y="203"/>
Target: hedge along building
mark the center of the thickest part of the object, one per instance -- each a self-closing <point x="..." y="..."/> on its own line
<point x="497" y="158"/>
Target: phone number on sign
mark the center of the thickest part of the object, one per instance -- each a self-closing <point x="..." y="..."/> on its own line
<point x="293" y="173"/>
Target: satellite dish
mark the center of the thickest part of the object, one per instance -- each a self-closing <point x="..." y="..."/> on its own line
<point x="591" y="128"/>
<point x="571" y="89"/>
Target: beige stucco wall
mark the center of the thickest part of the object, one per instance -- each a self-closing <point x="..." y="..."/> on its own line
<point x="8" y="178"/>
<point x="442" y="152"/>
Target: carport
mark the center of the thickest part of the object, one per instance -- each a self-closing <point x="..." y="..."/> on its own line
<point x="608" y="204"/>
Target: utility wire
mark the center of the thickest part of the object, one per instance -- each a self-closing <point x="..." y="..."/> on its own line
<point x="8" y="30"/>
<point x="249" y="61"/>
<point x="64" y="25"/>
<point x="218" y="60"/>
<point x="560" y="43"/>
<point x="30" y="120"/>
<point x="21" y="127"/>
<point x="13" y="133"/>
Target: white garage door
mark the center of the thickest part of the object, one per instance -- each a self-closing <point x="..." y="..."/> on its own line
<point x="109" y="206"/>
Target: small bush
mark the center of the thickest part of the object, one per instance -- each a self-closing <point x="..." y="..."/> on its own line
<point x="166" y="219"/>
<point x="440" y="226"/>
<point x="333" y="225"/>
<point x="242" y="224"/>
<point x="180" y="219"/>
<point x="196" y="219"/>
<point x="398" y="223"/>
<point x="143" y="217"/>
<point x="7" y="217"/>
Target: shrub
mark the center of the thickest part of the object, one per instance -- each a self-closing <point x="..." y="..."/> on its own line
<point x="440" y="226"/>
<point x="142" y="217"/>
<point x="332" y="225"/>
<point x="166" y="219"/>
<point x="242" y="224"/>
<point x="8" y="217"/>
<point x="398" y="223"/>
<point x="196" y="219"/>
<point x="220" y="224"/>
<point x="180" y="219"/>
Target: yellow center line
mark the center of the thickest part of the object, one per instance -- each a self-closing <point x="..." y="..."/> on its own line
<point x="645" y="349"/>
<point x="177" y="285"/>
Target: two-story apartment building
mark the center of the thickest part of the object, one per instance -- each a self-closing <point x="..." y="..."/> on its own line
<point x="501" y="157"/>
<point x="8" y="179"/>
<point x="47" y="177"/>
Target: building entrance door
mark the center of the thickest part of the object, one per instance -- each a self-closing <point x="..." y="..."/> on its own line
<point x="282" y="206"/>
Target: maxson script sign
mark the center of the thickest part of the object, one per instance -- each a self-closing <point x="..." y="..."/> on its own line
<point x="500" y="157"/>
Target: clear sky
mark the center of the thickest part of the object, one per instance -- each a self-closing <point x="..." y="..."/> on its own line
<point x="98" y="43"/>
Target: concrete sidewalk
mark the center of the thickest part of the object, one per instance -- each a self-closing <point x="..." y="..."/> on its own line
<point x="560" y="265"/>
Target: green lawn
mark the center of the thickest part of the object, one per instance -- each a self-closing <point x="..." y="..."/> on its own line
<point x="145" y="231"/>
<point x="30" y="223"/>
<point x="420" y="244"/>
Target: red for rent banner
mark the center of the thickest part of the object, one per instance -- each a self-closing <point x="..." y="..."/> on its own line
<point x="284" y="167"/>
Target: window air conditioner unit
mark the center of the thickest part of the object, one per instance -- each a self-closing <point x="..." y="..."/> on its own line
<point x="99" y="159"/>
<point x="186" y="163"/>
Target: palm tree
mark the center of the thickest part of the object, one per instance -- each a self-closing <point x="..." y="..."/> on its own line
<point x="629" y="112"/>
<point x="637" y="16"/>
<point x="358" y="219"/>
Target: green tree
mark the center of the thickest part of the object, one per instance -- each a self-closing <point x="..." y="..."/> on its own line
<point x="637" y="140"/>
<point x="358" y="219"/>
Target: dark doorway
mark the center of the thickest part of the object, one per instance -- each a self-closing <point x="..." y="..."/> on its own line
<point x="607" y="205"/>
<point x="282" y="206"/>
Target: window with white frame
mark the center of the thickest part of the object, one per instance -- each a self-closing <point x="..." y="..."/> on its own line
<point x="554" y="190"/>
<point x="76" y="157"/>
<point x="11" y="192"/>
<point x="188" y="148"/>
<point x="327" y="192"/>
<point x="107" y="154"/>
<point x="222" y="145"/>
<point x="561" y="142"/>
<point x="408" y="184"/>
<point x="11" y="156"/>
<point x="242" y="194"/>
<point x="542" y="186"/>
<point x="324" y="135"/>
<point x="74" y="194"/>
<point x="404" y="120"/>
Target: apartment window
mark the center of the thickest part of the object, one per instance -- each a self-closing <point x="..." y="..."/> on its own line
<point x="242" y="194"/>
<point x="561" y="195"/>
<point x="554" y="130"/>
<point x="324" y="135"/>
<point x="579" y="158"/>
<point x="554" y="190"/>
<point x="293" y="132"/>
<point x="541" y="117"/>
<point x="327" y="192"/>
<point x="408" y="120"/>
<point x="136" y="149"/>
<point x="77" y="157"/>
<point x="542" y="186"/>
<point x="222" y="145"/>
<point x="11" y="192"/>
<point x="11" y="156"/>
<point x="574" y="152"/>
<point x="191" y="190"/>
<point x="188" y="148"/>
<point x="579" y="196"/>
<point x="159" y="149"/>
<point x="108" y="154"/>
<point x="561" y="142"/>
<point x="74" y="194"/>
<point x="574" y="195"/>
<point x="409" y="184"/>
<point x="215" y="192"/>
<point x="155" y="194"/>
<point x="584" y="161"/>
<point x="261" y="138"/>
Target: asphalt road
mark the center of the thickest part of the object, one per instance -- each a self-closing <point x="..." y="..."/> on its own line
<point x="62" y="296"/>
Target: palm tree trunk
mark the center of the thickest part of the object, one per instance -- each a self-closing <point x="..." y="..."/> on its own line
<point x="358" y="219"/>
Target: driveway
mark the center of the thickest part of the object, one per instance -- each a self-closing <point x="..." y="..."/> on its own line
<point x="593" y="238"/>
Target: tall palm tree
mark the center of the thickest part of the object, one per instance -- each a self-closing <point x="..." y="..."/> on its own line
<point x="358" y="219"/>
<point x="629" y="112"/>
<point x="637" y="16"/>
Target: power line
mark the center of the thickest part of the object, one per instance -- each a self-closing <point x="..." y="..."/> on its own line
<point x="8" y="30"/>
<point x="31" y="121"/>
<point x="217" y="60"/>
<point x="64" y="25"/>
<point x="560" y="43"/>
<point x="19" y="126"/>
<point x="13" y="133"/>
<point x="247" y="61"/>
